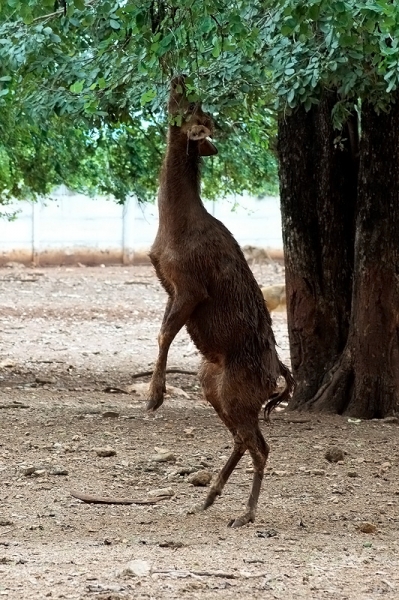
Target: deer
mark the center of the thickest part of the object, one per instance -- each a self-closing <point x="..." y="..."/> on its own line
<point x="213" y="293"/>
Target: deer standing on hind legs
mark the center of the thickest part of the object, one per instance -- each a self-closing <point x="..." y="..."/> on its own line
<point x="212" y="291"/>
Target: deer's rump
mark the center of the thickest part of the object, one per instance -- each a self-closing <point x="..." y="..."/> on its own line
<point x="243" y="337"/>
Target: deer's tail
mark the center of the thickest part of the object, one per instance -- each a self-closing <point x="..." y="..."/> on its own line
<point x="278" y="397"/>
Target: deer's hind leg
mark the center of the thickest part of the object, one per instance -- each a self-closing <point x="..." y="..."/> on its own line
<point x="237" y="403"/>
<point x="254" y="441"/>
<point x="210" y="375"/>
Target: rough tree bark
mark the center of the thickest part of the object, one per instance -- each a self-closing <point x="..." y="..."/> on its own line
<point x="339" y="227"/>
<point x="318" y="183"/>
<point x="365" y="380"/>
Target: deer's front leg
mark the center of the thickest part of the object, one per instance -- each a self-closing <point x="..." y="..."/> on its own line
<point x="177" y="312"/>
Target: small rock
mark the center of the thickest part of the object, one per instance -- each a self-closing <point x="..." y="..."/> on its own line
<point x="186" y="470"/>
<point x="39" y="472"/>
<point x="266" y="533"/>
<point x="201" y="478"/>
<point x="172" y="390"/>
<point x="279" y="473"/>
<point x="28" y="470"/>
<point x="318" y="472"/>
<point x="334" y="454"/>
<point x="353" y="474"/>
<point x="12" y="264"/>
<point x="137" y="568"/>
<point x="45" y="380"/>
<point x="5" y="522"/>
<point x="7" y="364"/>
<point x="59" y="471"/>
<point x="162" y="492"/>
<point x="105" y="451"/>
<point x="164" y="457"/>
<point x="110" y="414"/>
<point x="189" y="432"/>
<point x="171" y="544"/>
<point x="367" y="527"/>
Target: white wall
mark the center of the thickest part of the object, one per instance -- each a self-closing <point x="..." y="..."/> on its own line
<point x="72" y="224"/>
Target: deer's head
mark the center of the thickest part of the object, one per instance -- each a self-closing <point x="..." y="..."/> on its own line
<point x="196" y="125"/>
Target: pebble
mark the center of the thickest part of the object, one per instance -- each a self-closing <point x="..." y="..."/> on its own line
<point x="318" y="472"/>
<point x="367" y="527"/>
<point x="45" y="380"/>
<point x="59" y="471"/>
<point x="201" y="478"/>
<point x="163" y="457"/>
<point x="186" y="470"/>
<point x="267" y="533"/>
<point x="28" y="470"/>
<point x="105" y="451"/>
<point x="353" y="474"/>
<point x="137" y="568"/>
<point x="162" y="492"/>
<point x="39" y="472"/>
<point x="5" y="522"/>
<point x="110" y="414"/>
<point x="334" y="454"/>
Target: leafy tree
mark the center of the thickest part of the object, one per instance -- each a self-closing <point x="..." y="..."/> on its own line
<point x="340" y="209"/>
<point x="93" y="75"/>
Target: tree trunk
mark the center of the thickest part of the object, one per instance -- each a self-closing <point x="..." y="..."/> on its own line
<point x="318" y="181"/>
<point x="365" y="380"/>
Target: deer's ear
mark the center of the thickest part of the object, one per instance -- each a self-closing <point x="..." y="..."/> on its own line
<point x="206" y="148"/>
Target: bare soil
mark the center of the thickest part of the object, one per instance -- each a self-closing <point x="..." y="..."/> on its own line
<point x="71" y="339"/>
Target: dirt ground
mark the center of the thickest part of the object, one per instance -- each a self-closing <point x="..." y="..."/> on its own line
<point x="71" y="339"/>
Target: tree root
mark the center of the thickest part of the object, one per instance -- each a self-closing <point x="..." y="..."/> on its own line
<point x="333" y="395"/>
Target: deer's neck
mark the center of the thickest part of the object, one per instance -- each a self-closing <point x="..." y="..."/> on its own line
<point x="179" y="191"/>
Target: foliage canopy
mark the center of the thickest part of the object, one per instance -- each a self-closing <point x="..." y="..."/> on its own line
<point x="84" y="82"/>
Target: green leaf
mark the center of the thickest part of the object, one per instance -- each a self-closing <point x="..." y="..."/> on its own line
<point x="77" y="87"/>
<point x="147" y="97"/>
<point x="216" y="50"/>
<point x="114" y="24"/>
<point x="28" y="18"/>
<point x="80" y="4"/>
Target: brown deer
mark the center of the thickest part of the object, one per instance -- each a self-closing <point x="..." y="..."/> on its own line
<point x="212" y="291"/>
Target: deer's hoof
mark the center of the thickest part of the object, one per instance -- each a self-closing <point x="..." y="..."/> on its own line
<point x="154" y="402"/>
<point x="243" y="520"/>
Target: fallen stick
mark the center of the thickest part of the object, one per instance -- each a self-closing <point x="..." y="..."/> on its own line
<point x="103" y="500"/>
<point x="171" y="370"/>
<point x="222" y="574"/>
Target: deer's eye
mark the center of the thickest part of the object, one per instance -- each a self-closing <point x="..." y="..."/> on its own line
<point x="191" y="106"/>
